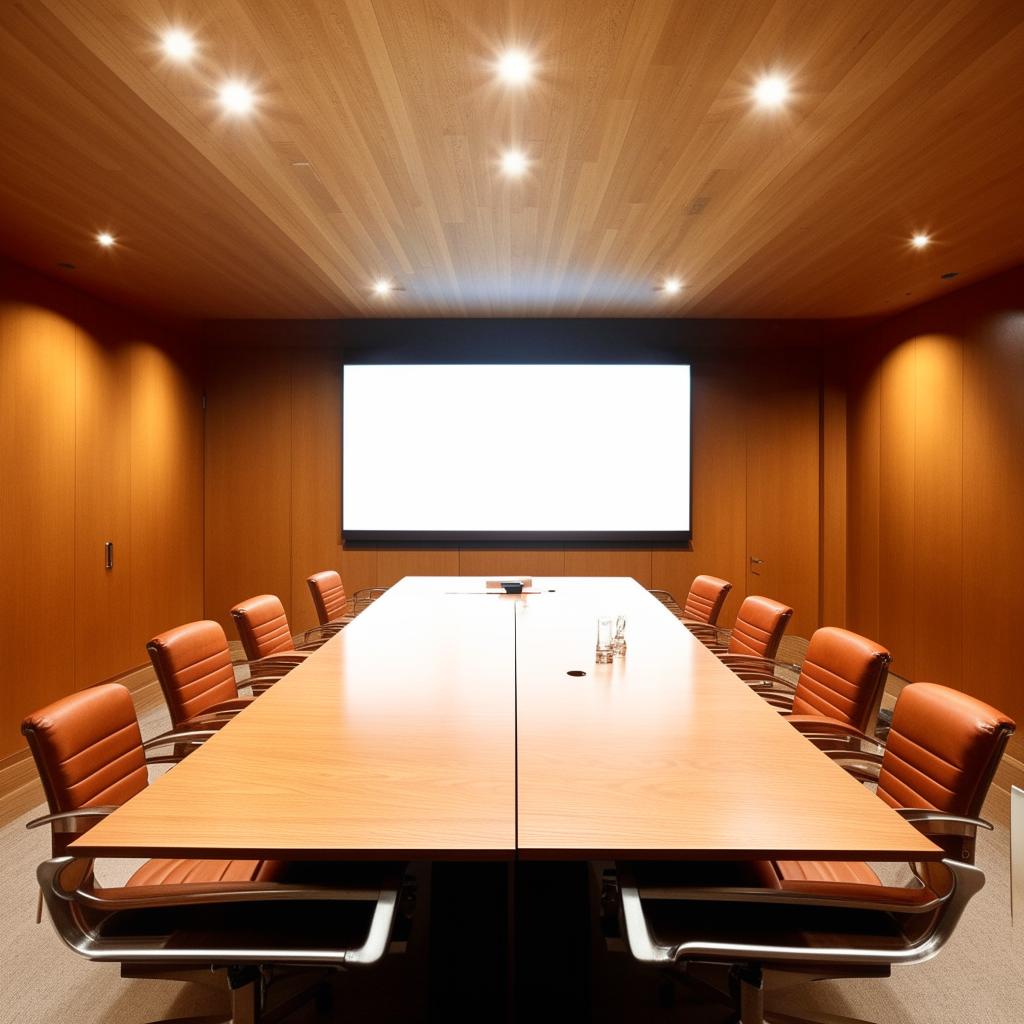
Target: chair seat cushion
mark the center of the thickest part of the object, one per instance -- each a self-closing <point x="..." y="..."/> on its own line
<point x="182" y="871"/>
<point x="838" y="879"/>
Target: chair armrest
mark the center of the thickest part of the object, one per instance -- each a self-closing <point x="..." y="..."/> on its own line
<point x="193" y="737"/>
<point x="939" y="823"/>
<point x="755" y="662"/>
<point x="865" y="767"/>
<point x="66" y="817"/>
<point x="826" y="728"/>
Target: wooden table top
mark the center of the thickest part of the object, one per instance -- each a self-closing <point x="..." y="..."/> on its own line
<point x="395" y="740"/>
<point x="666" y="753"/>
<point x="416" y="733"/>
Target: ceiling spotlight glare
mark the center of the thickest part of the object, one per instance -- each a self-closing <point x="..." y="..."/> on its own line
<point x="236" y="97"/>
<point x="515" y="67"/>
<point x="178" y="45"/>
<point x="672" y="286"/>
<point x="771" y="91"/>
<point x="105" y="238"/>
<point x="383" y="287"/>
<point x="919" y="241"/>
<point x="513" y="163"/>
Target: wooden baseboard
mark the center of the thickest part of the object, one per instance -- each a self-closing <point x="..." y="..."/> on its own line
<point x="20" y="789"/>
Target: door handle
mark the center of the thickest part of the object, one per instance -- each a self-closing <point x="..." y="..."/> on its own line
<point x="756" y="562"/>
<point x="108" y="555"/>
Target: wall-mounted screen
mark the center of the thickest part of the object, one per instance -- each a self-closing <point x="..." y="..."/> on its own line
<point x="516" y="453"/>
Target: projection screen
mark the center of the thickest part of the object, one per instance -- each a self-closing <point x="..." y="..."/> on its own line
<point x="516" y="453"/>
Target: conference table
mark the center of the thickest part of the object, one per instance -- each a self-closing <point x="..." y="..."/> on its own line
<point x="446" y="723"/>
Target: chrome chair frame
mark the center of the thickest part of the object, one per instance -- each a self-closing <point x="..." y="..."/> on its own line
<point x="749" y="960"/>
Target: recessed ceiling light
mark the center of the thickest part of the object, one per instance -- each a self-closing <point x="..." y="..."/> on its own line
<point x="236" y="97"/>
<point x="513" y="163"/>
<point x="383" y="287"/>
<point x="920" y="240"/>
<point x="672" y="286"/>
<point x="178" y="44"/>
<point x="515" y="67"/>
<point x="105" y="238"/>
<point x="771" y="91"/>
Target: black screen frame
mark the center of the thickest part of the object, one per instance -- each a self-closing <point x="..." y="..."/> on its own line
<point x="579" y="341"/>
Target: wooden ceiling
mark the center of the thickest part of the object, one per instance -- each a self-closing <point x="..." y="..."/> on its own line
<point x="374" y="149"/>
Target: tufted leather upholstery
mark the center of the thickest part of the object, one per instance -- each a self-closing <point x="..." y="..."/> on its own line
<point x="88" y="752"/>
<point x="329" y="597"/>
<point x="705" y="599"/>
<point x="941" y="754"/>
<point x="942" y="750"/>
<point x="193" y="664"/>
<point x="842" y="678"/>
<point x="759" y="627"/>
<point x="263" y="627"/>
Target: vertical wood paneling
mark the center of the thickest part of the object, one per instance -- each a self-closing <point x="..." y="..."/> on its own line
<point x="476" y="562"/>
<point x="166" y="493"/>
<point x="942" y="589"/>
<point x="248" y="480"/>
<point x="102" y="503"/>
<point x="833" y="491"/>
<point x="896" y="555"/>
<point x="599" y="562"/>
<point x="993" y="439"/>
<point x="37" y="509"/>
<point x="938" y="509"/>
<point x="863" y="490"/>
<point x="783" y="483"/>
<point x="316" y="484"/>
<point x="719" y="462"/>
<point x="394" y="563"/>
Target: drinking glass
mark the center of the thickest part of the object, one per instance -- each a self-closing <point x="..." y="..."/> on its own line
<point x="619" y="639"/>
<point x="603" y="651"/>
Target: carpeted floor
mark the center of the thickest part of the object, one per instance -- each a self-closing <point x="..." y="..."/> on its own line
<point x="979" y="977"/>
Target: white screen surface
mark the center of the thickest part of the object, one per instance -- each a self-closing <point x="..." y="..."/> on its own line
<point x="516" y="449"/>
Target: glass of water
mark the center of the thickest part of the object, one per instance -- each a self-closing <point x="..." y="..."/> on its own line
<point x="603" y="651"/>
<point x="619" y="638"/>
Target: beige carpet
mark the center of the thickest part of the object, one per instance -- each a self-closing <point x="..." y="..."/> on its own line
<point x="979" y="977"/>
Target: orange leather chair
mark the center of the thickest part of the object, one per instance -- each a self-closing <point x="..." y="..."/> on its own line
<point x="334" y="609"/>
<point x="243" y="916"/>
<point x="91" y="757"/>
<point x="194" y="668"/>
<point x="263" y="629"/>
<point x="758" y="630"/>
<point x="835" y="918"/>
<point x="838" y="689"/>
<point x="703" y="603"/>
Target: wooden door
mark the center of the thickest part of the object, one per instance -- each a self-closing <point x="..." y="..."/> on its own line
<point x="783" y="428"/>
<point x="102" y="454"/>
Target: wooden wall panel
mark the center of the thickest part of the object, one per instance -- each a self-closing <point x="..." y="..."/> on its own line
<point x="863" y="490"/>
<point x="895" y="597"/>
<point x="248" y="481"/>
<point x="394" y="563"/>
<point x="102" y="503"/>
<point x="37" y="509"/>
<point x="833" y="495"/>
<point x="80" y="467"/>
<point x="316" y="484"/>
<point x="936" y="418"/>
<point x="783" y="485"/>
<point x="993" y="497"/>
<point x="719" y="460"/>
<point x="166" y="492"/>
<point x="599" y="562"/>
<point x="477" y="562"/>
<point x="938" y="509"/>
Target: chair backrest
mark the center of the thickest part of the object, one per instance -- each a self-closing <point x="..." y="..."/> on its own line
<point x="88" y="751"/>
<point x="262" y="626"/>
<point x="705" y="599"/>
<point x="759" y="626"/>
<point x="843" y="677"/>
<point x="193" y="665"/>
<point x="329" y="597"/>
<point x="942" y="751"/>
